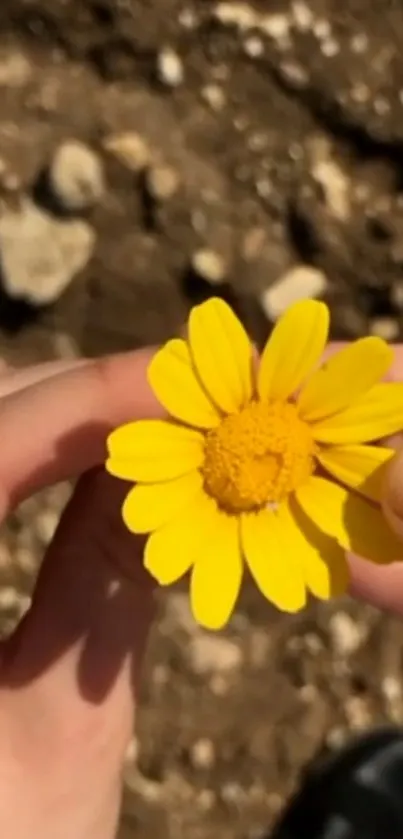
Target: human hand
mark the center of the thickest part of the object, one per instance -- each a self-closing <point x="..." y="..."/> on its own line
<point x="69" y="675"/>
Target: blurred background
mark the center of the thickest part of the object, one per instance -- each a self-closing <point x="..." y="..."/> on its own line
<point x="152" y="153"/>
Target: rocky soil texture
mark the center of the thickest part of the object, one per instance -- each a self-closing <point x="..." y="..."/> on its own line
<point x="151" y="154"/>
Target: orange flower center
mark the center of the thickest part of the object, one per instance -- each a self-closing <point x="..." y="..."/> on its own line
<point x="257" y="456"/>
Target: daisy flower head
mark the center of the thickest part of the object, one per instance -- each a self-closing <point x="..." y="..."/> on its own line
<point x="269" y="466"/>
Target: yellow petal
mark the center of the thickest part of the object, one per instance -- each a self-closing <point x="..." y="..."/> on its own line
<point x="375" y="415"/>
<point x="357" y="524"/>
<point x="153" y="450"/>
<point x="267" y="543"/>
<point x="342" y="379"/>
<point x="176" y="385"/>
<point x="222" y="353"/>
<point x="323" y="560"/>
<point x="293" y="349"/>
<point x="360" y="467"/>
<point x="149" y="506"/>
<point x="172" y="549"/>
<point x="217" y="574"/>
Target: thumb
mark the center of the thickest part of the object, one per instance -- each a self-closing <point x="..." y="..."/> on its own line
<point x="70" y="674"/>
<point x="393" y="494"/>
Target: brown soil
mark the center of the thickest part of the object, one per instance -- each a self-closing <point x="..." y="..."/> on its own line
<point x="286" y="141"/>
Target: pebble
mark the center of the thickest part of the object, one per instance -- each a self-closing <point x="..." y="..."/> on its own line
<point x="299" y="283"/>
<point x="254" y="46"/>
<point x="76" y="176"/>
<point x="26" y="560"/>
<point x="209" y="654"/>
<point x="187" y="18"/>
<point x="253" y="243"/>
<point x="218" y="685"/>
<point x="303" y="17"/>
<point x="295" y="74"/>
<point x="337" y="737"/>
<point x="209" y="265"/>
<point x="308" y="693"/>
<point x="386" y="328"/>
<point x="276" y="26"/>
<point x="46" y="524"/>
<point x="132" y="752"/>
<point x="15" y="68"/>
<point x="233" y="793"/>
<point x="346" y="634"/>
<point x="41" y="255"/>
<point x="179" y="613"/>
<point x="240" y="15"/>
<point x="162" y="182"/>
<point x="322" y="29"/>
<point x="202" y="754"/>
<point x="206" y="799"/>
<point x="392" y="689"/>
<point x="170" y="68"/>
<point x="9" y="599"/>
<point x="330" y="47"/>
<point x="359" y="43"/>
<point x="130" y="149"/>
<point x="336" y="186"/>
<point x="214" y="96"/>
<point x="357" y="713"/>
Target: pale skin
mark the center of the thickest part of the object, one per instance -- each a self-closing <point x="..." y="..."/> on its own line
<point x="70" y="674"/>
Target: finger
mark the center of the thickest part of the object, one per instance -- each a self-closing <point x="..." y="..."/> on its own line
<point x="14" y="379"/>
<point x="70" y="676"/>
<point x="382" y="586"/>
<point x="56" y="428"/>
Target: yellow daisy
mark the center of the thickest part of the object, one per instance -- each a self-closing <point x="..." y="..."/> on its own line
<point x="267" y="468"/>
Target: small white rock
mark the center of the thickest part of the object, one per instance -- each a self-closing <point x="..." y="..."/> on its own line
<point x="346" y="634"/>
<point x="162" y="182"/>
<point x="41" y="255"/>
<point x="299" y="283"/>
<point x="322" y="29"/>
<point x="303" y="17"/>
<point x="132" y="752"/>
<point x="170" y="67"/>
<point x="46" y="524"/>
<point x="206" y="799"/>
<point x="275" y="26"/>
<point x="214" y="97"/>
<point x="15" y="68"/>
<point x="26" y="560"/>
<point x="330" y="47"/>
<point x="240" y="15"/>
<point x="254" y="46"/>
<point x="202" y="754"/>
<point x="76" y="176"/>
<point x="213" y="654"/>
<point x="384" y="327"/>
<point x="130" y="148"/>
<point x="187" y="18"/>
<point x="253" y="243"/>
<point x="358" y="713"/>
<point x="336" y="186"/>
<point x="359" y="43"/>
<point x="209" y="265"/>
<point x="9" y="598"/>
<point x="337" y="737"/>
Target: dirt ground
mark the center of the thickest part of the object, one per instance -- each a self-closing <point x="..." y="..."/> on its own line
<point x="251" y="150"/>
